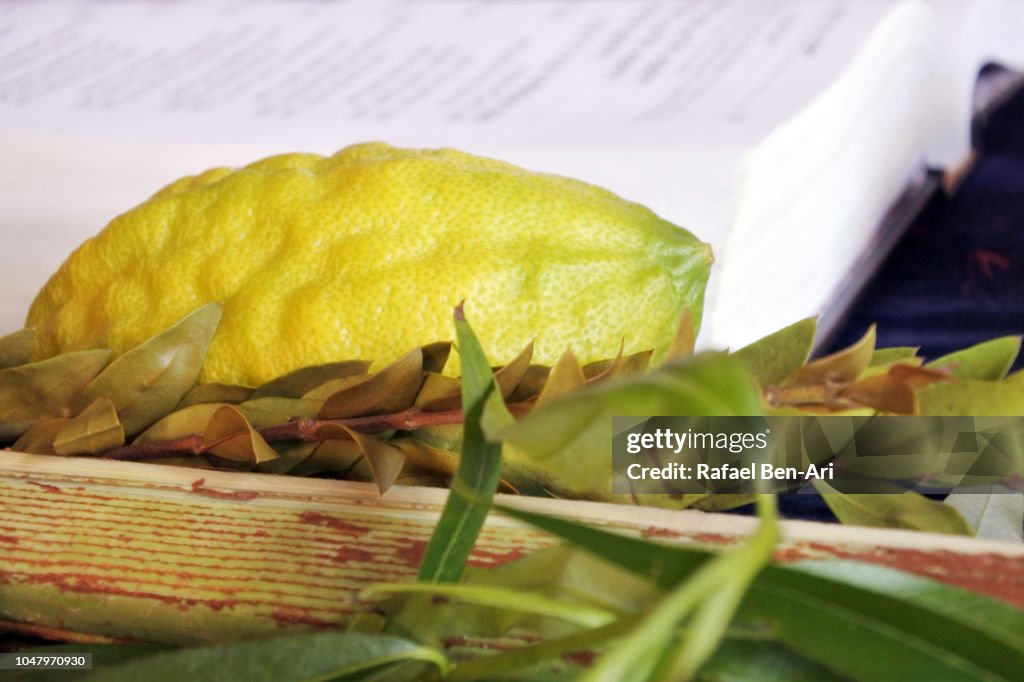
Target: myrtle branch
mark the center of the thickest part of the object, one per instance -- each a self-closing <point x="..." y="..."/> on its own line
<point x="297" y="430"/>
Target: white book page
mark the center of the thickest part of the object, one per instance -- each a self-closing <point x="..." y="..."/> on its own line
<point x="103" y="103"/>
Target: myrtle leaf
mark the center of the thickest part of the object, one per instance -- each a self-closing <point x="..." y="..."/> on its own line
<point x="531" y="384"/>
<point x="773" y="358"/>
<point x="215" y="393"/>
<point x="841" y="367"/>
<point x="888" y="356"/>
<point x="509" y="376"/>
<point x="427" y="458"/>
<point x="565" y="377"/>
<point x="272" y="410"/>
<point x="385" y="460"/>
<point x="439" y="393"/>
<point x="883" y="392"/>
<point x="896" y="510"/>
<point x="45" y="389"/>
<point x="299" y="382"/>
<point x="978" y="398"/>
<point x="290" y="455"/>
<point x="230" y="436"/>
<point x="392" y="389"/>
<point x="188" y="421"/>
<point x="149" y="380"/>
<point x="39" y="437"/>
<point x="990" y="360"/>
<point x="93" y="431"/>
<point x="619" y="366"/>
<point x="335" y="456"/>
<point x="17" y="348"/>
<point x="435" y="356"/>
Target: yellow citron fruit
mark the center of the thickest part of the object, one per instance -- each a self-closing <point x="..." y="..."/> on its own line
<point x="365" y="254"/>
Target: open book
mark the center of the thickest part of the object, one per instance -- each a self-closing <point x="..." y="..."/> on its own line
<point x="780" y="132"/>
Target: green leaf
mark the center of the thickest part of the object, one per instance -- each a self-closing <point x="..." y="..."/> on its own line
<point x="565" y="445"/>
<point x="990" y="360"/>
<point x="888" y="356"/>
<point x="773" y="358"/>
<point x="299" y="382"/>
<point x="296" y="658"/>
<point x="970" y="397"/>
<point x="894" y="510"/>
<point x="478" y="473"/>
<point x="760" y="660"/>
<point x="148" y="381"/>
<point x="95" y="430"/>
<point x="834" y="611"/>
<point x="707" y="601"/>
<point x="502" y="598"/>
<point x="17" y="348"/>
<point x="45" y="389"/>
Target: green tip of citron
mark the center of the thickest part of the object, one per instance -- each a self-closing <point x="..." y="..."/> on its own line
<point x="365" y="253"/>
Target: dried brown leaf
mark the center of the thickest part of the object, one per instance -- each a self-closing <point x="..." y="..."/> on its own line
<point x="883" y="392"/>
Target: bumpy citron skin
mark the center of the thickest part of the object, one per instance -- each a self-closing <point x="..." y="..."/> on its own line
<point x="364" y="254"/>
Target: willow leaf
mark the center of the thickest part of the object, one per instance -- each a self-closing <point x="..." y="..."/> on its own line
<point x="297" y="658"/>
<point x="497" y="597"/>
<point x="833" y="611"/>
<point x="477" y="476"/>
